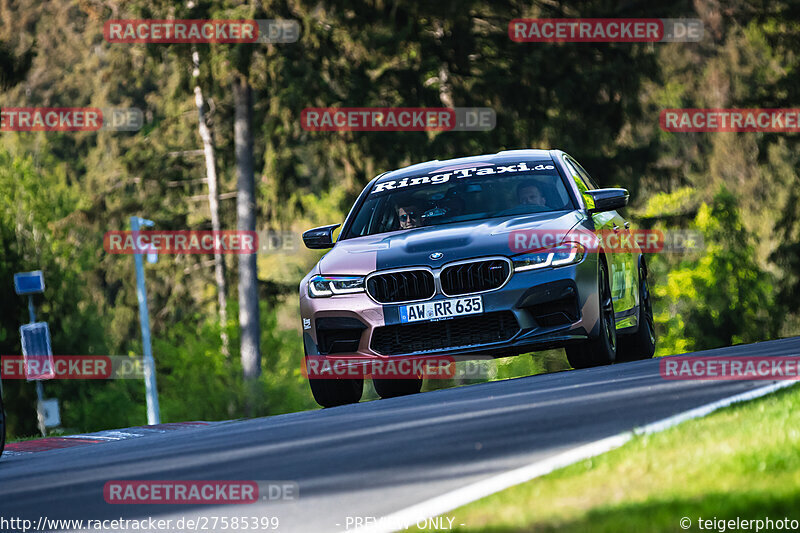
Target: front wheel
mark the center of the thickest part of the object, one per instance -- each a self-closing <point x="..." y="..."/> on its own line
<point x="603" y="349"/>
<point x="329" y="391"/>
<point x="334" y="392"/>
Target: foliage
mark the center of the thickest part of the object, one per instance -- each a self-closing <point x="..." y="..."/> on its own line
<point x="196" y="383"/>
<point x="721" y="298"/>
<point x="34" y="204"/>
<point x="60" y="192"/>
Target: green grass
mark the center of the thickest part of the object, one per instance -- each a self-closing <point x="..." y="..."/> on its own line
<point x="50" y="433"/>
<point x="742" y="461"/>
<point x="23" y="439"/>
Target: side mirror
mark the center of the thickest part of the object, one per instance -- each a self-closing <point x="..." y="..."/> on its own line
<point x="320" y="238"/>
<point x="606" y="199"/>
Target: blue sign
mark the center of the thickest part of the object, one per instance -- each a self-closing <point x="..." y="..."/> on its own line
<point x="37" y="353"/>
<point x="29" y="282"/>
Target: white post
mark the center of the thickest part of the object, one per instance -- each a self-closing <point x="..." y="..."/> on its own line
<point x="153" y="415"/>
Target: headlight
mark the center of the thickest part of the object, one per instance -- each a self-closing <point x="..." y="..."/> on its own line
<point x="563" y="254"/>
<point x="531" y="261"/>
<point x="567" y="254"/>
<point x="325" y="286"/>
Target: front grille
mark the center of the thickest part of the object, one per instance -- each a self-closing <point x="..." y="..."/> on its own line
<point x="477" y="276"/>
<point x="404" y="286"/>
<point x="444" y="334"/>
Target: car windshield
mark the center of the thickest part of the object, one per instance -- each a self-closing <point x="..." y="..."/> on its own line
<point x="461" y="195"/>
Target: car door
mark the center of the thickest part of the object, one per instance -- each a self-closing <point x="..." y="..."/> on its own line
<point x="622" y="260"/>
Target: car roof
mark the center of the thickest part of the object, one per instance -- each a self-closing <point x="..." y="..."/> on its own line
<point x="500" y="158"/>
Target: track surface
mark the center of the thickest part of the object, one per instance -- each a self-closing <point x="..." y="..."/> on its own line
<point x="370" y="459"/>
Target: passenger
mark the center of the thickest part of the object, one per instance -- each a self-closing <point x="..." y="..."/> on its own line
<point x="409" y="216"/>
<point x="530" y="194"/>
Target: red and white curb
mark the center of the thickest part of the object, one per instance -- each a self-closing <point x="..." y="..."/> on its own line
<point x="84" y="439"/>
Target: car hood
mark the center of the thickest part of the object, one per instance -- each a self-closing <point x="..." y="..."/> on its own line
<point x="456" y="241"/>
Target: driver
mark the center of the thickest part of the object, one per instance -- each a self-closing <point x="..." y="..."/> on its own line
<point x="409" y="216"/>
<point x="530" y="194"/>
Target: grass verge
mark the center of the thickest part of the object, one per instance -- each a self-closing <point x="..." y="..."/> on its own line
<point x="741" y="461"/>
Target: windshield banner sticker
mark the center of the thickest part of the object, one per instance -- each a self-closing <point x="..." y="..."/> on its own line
<point x="458" y="174"/>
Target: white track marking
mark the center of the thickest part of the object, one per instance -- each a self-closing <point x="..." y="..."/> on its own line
<point x="438" y="505"/>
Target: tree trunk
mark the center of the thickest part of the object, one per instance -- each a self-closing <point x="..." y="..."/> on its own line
<point x="213" y="202"/>
<point x="246" y="216"/>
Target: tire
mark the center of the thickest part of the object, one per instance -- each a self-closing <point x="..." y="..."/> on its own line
<point x="335" y="392"/>
<point x="642" y="344"/>
<point x="603" y="349"/>
<point x="391" y="388"/>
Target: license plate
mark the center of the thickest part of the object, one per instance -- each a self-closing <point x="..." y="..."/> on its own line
<point x="441" y="309"/>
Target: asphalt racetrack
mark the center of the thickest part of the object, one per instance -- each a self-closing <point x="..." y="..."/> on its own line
<point x="370" y="459"/>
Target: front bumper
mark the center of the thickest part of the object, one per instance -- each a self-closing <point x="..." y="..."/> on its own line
<point x="534" y="310"/>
